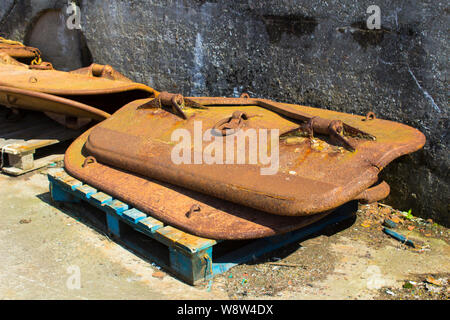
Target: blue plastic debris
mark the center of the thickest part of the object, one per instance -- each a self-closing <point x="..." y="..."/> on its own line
<point x="390" y="224"/>
<point x="398" y="237"/>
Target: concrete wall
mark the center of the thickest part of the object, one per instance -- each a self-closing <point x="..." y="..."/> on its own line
<point x="314" y="52"/>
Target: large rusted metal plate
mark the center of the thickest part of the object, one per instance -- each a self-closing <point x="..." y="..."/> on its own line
<point x="106" y="92"/>
<point x="216" y="219"/>
<point x="315" y="175"/>
<point x="38" y="101"/>
<point x="63" y="83"/>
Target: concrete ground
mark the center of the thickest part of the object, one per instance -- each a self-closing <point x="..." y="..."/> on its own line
<point x="44" y="244"/>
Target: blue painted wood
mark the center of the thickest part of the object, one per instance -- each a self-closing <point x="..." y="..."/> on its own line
<point x="59" y="194"/>
<point x="193" y="267"/>
<point x="180" y="262"/>
<point x="85" y="191"/>
<point x="100" y="198"/>
<point x="113" y="224"/>
<point x="190" y="257"/>
<point x="69" y="182"/>
<point x="150" y="224"/>
<point x="115" y="206"/>
<point x="192" y="244"/>
<point x="134" y="215"/>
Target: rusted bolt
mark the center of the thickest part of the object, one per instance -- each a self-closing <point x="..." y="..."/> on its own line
<point x="232" y="124"/>
<point x="194" y="207"/>
<point x="89" y="160"/>
<point x="176" y="101"/>
<point x="179" y="100"/>
<point x="108" y="69"/>
<point x="370" y="116"/>
<point x="336" y="131"/>
<point x="309" y="127"/>
<point x="336" y="126"/>
<point x="178" y="105"/>
<point x="97" y="69"/>
<point x="42" y="66"/>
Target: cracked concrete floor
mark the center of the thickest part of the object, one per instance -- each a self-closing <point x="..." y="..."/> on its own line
<point x="40" y="242"/>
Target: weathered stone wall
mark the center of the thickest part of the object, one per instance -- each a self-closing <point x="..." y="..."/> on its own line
<point x="313" y="52"/>
<point x="42" y="24"/>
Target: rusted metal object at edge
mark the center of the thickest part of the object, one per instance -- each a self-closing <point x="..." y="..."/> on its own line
<point x="190" y="211"/>
<point x="94" y="92"/>
<point x="315" y="173"/>
<point x="17" y="50"/>
<point x="38" y="101"/>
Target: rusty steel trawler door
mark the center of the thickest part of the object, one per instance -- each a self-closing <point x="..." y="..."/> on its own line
<point x="326" y="158"/>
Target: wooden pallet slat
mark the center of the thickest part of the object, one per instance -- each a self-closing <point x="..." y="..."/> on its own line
<point x="39" y="163"/>
<point x="134" y="215"/>
<point x="116" y="206"/>
<point x="150" y="224"/>
<point x="100" y="198"/>
<point x="85" y="191"/>
<point x="27" y="146"/>
<point x="20" y="140"/>
<point x="175" y="237"/>
<point x="70" y="182"/>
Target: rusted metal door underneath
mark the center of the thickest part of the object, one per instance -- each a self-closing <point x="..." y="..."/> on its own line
<point x="188" y="210"/>
<point x="93" y="92"/>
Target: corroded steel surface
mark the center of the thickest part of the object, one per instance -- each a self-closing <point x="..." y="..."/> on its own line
<point x="18" y="50"/>
<point x="63" y="83"/>
<point x="38" y="101"/>
<point x="315" y="174"/>
<point x="98" y="87"/>
<point x="7" y="59"/>
<point x="193" y="212"/>
<point x="101" y="71"/>
<point x="375" y="193"/>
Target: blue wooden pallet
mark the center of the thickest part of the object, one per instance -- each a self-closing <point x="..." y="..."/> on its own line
<point x="186" y="256"/>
